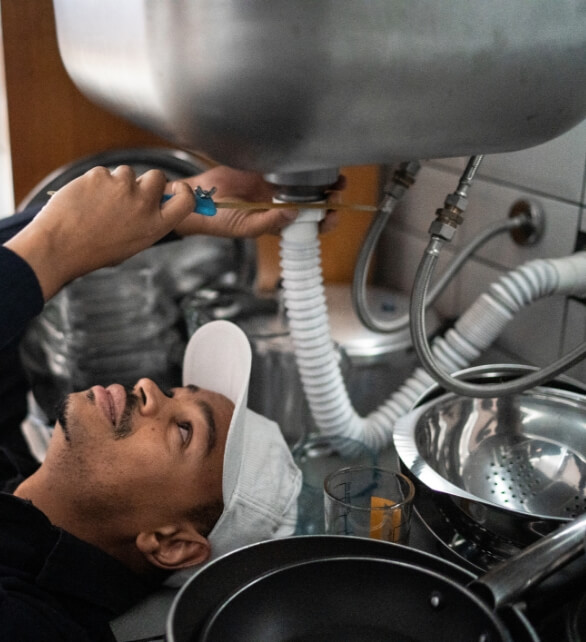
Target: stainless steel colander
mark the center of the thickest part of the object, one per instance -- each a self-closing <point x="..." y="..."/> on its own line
<point x="514" y="464"/>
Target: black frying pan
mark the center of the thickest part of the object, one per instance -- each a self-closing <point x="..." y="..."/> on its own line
<point x="376" y="591"/>
<point x="354" y="599"/>
<point x="206" y="593"/>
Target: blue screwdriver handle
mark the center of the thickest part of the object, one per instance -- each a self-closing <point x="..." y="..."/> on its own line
<point x="203" y="201"/>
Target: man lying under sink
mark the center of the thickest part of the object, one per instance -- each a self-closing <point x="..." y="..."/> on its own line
<point x="139" y="487"/>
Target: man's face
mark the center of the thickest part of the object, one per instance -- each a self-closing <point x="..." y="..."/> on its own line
<point x="141" y="456"/>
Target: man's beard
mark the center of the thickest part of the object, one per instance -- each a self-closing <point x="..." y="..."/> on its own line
<point x="122" y="430"/>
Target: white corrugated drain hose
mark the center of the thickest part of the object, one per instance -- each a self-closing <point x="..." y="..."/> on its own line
<point x="316" y="357"/>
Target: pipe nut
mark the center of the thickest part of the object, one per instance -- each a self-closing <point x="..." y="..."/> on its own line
<point x="456" y="201"/>
<point x="442" y="229"/>
<point x="412" y="168"/>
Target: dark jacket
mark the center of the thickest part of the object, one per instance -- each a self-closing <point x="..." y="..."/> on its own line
<point x="20" y="296"/>
<point x="54" y="586"/>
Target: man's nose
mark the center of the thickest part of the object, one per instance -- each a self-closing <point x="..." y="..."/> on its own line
<point x="150" y="396"/>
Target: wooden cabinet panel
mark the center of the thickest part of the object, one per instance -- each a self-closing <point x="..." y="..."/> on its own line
<point x="51" y="122"/>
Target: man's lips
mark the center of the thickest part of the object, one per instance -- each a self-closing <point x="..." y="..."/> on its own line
<point x="111" y="401"/>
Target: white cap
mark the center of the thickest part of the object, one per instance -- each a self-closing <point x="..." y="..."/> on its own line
<point x="261" y="482"/>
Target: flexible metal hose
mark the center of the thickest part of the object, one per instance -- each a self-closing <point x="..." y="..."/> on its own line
<point x="359" y="284"/>
<point x="485" y="320"/>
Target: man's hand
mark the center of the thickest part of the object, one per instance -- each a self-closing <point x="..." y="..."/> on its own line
<point x="237" y="185"/>
<point x="102" y="218"/>
<point x="99" y="219"/>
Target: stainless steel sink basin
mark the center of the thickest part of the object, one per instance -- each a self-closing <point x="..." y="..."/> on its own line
<point x="290" y="85"/>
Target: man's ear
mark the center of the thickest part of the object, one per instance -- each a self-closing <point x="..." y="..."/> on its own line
<point x="173" y="547"/>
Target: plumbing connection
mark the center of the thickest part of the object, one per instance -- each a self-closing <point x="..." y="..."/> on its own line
<point x="525" y="222"/>
<point x="322" y="380"/>
<point x="543" y="278"/>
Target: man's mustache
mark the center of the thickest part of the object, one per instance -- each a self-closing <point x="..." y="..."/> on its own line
<point x="122" y="430"/>
<point x="124" y="427"/>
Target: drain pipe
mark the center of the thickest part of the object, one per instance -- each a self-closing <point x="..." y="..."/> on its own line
<point x="317" y="359"/>
<point x="315" y="353"/>
<point x="306" y="306"/>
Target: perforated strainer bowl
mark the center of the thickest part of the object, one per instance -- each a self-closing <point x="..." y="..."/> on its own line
<point x="516" y="465"/>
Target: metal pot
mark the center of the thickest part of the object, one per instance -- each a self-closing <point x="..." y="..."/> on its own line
<point x="327" y="587"/>
<point x="509" y="469"/>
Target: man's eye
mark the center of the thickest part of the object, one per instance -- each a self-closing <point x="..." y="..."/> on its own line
<point x="184" y="431"/>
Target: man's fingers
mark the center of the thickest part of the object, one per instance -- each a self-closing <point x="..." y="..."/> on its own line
<point x="124" y="172"/>
<point x="153" y="179"/>
<point x="180" y="205"/>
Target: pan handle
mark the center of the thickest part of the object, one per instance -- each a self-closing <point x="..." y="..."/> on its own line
<point x="504" y="583"/>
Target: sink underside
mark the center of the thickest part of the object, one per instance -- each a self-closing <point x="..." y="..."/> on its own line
<point x="294" y="85"/>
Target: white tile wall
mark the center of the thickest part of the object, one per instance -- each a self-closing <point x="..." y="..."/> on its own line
<point x="552" y="175"/>
<point x="488" y="203"/>
<point x="555" y="168"/>
<point x="400" y="265"/>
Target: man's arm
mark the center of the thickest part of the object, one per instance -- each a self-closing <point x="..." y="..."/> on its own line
<point x="102" y="218"/>
<point x="99" y="219"/>
<point x="21" y="297"/>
